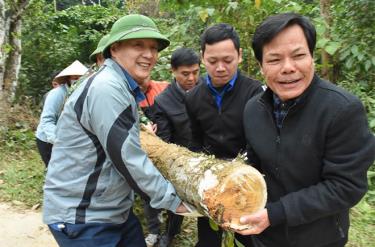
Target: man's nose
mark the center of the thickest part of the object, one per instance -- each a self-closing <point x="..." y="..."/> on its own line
<point x="289" y="66"/>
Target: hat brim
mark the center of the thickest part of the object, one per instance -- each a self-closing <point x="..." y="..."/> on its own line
<point x="76" y="68"/>
<point x="98" y="50"/>
<point x="163" y="42"/>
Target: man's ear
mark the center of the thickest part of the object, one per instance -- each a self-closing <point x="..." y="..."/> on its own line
<point x="202" y="60"/>
<point x="173" y="71"/>
<point x="113" y="49"/>
<point x="240" y="56"/>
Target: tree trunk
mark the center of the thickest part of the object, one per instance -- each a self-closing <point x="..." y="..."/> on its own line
<point x="221" y="190"/>
<point x="10" y="33"/>
<point x="326" y="58"/>
<point x="2" y="43"/>
<point x="13" y="64"/>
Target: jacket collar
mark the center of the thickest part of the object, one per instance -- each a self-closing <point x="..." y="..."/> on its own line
<point x="177" y="91"/>
<point x="267" y="97"/>
<point x="130" y="82"/>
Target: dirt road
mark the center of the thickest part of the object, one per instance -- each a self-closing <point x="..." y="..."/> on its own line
<point x="23" y="228"/>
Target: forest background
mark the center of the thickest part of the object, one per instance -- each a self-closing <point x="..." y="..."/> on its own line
<point x="40" y="37"/>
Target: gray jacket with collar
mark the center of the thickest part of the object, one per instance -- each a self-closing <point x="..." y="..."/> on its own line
<point x="97" y="161"/>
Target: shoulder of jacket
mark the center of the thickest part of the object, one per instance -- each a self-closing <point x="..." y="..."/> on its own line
<point x="190" y="95"/>
<point x="164" y="95"/>
<point x="336" y="93"/>
<point x="249" y="81"/>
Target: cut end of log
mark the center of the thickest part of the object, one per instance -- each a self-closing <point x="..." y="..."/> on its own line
<point x="241" y="192"/>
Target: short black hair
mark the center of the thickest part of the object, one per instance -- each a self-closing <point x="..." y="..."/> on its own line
<point x="184" y="57"/>
<point x="217" y="33"/>
<point x="273" y="25"/>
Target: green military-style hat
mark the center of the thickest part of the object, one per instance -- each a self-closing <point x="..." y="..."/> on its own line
<point x="135" y="26"/>
<point x="99" y="49"/>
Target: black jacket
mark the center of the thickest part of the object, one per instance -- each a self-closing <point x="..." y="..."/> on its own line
<point x="171" y="118"/>
<point x="220" y="132"/>
<point x="315" y="166"/>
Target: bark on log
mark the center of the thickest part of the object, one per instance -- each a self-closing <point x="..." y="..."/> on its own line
<point x="221" y="190"/>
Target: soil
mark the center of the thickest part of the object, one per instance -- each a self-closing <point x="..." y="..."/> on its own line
<point x="23" y="228"/>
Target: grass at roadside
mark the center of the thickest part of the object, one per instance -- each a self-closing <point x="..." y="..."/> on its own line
<point x="21" y="176"/>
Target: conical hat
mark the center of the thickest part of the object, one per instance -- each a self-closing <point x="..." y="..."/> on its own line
<point x="76" y="68"/>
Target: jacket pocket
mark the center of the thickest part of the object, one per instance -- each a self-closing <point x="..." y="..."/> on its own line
<point x="321" y="232"/>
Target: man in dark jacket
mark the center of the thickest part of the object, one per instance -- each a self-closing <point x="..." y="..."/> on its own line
<point x="172" y="121"/>
<point x="216" y="105"/>
<point x="310" y="139"/>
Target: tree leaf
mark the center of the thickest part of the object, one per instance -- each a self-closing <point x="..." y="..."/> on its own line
<point x="332" y="47"/>
<point x="238" y="243"/>
<point x="372" y="123"/>
<point x="322" y="42"/>
<point x="203" y="14"/>
<point x="258" y="3"/>
<point x="367" y="65"/>
<point x="213" y="225"/>
<point x="354" y="50"/>
<point x="228" y="240"/>
<point x="210" y="11"/>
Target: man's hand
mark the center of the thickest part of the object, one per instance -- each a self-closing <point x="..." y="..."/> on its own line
<point x="181" y="209"/>
<point x="258" y="221"/>
<point x="150" y="127"/>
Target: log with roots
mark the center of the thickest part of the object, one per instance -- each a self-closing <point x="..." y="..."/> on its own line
<point x="221" y="190"/>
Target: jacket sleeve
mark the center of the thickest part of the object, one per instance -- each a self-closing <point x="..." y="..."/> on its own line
<point x="113" y="118"/>
<point x="349" y="151"/>
<point x="196" y="130"/>
<point x="164" y="128"/>
<point x="51" y="111"/>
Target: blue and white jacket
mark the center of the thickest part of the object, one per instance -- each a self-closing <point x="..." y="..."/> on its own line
<point x="97" y="162"/>
<point x="53" y="105"/>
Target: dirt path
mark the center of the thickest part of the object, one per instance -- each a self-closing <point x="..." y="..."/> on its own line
<point x="23" y="228"/>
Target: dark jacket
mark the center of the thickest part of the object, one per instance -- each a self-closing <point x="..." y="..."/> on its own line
<point x="171" y="117"/>
<point x="315" y="166"/>
<point x="220" y="132"/>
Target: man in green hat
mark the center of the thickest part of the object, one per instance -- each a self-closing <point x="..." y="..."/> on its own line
<point x="97" y="162"/>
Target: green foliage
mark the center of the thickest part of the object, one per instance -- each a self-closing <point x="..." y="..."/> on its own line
<point x="354" y="26"/>
<point x="52" y="40"/>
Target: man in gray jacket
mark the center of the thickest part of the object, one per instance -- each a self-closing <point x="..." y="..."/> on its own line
<point x="97" y="162"/>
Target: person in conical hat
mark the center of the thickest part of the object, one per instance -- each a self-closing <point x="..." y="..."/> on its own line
<point x="97" y="162"/>
<point x="52" y="107"/>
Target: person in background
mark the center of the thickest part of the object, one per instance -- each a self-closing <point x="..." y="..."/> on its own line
<point x="215" y="106"/>
<point x="54" y="84"/>
<point x="97" y="162"/>
<point x="309" y="138"/>
<point x="151" y="89"/>
<point x="97" y="56"/>
<point x="172" y="121"/>
<point x="52" y="107"/>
